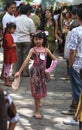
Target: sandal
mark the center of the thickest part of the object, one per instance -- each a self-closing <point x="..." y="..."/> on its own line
<point x="38" y="116"/>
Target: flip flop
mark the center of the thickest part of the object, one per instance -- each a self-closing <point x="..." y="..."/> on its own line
<point x="38" y="116"/>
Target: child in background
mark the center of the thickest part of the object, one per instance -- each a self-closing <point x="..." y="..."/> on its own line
<point x="3" y="114"/>
<point x="9" y="47"/>
<point x="38" y="70"/>
<point x="7" y="111"/>
<point x="78" y="115"/>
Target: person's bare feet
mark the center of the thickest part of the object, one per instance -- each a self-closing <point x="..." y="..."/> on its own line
<point x="38" y="116"/>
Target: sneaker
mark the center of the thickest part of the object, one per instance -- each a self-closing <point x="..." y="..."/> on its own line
<point x="70" y="122"/>
<point x="69" y="112"/>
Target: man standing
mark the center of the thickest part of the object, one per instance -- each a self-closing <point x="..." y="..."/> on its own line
<point x="75" y="59"/>
<point x="75" y="65"/>
<point x="9" y="16"/>
<point x="25" y="27"/>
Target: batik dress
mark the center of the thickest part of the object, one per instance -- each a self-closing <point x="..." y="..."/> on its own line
<point x="37" y="75"/>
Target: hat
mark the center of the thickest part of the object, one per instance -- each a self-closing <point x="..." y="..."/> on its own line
<point x="15" y="83"/>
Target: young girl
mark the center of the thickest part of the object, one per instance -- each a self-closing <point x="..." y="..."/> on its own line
<point x="7" y="111"/>
<point x="3" y="114"/>
<point x="9" y="46"/>
<point x="38" y="70"/>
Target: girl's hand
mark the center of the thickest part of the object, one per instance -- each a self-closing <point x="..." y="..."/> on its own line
<point x="46" y="71"/>
<point x="14" y="45"/>
<point x="17" y="74"/>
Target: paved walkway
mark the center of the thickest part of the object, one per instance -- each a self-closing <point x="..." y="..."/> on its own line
<point x="57" y="100"/>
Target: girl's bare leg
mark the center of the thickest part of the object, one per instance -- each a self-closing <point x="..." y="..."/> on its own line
<point x="37" y="108"/>
<point x="12" y="126"/>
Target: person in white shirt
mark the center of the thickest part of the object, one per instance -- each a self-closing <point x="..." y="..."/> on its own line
<point x="9" y="16"/>
<point x="25" y="27"/>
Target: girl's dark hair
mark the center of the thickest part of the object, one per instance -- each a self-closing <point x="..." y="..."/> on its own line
<point x="52" y="18"/>
<point x="10" y="25"/>
<point x="3" y="113"/>
<point x="74" y="11"/>
<point x="51" y="15"/>
<point x="39" y="34"/>
<point x="79" y="13"/>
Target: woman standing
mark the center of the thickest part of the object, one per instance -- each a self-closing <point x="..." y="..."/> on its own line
<point x="49" y="28"/>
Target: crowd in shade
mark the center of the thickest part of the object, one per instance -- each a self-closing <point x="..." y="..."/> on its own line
<point x="33" y="35"/>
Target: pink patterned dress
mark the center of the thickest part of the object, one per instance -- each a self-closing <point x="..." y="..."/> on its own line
<point x="37" y="75"/>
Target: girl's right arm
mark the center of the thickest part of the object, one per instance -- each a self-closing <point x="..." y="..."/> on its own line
<point x="24" y="63"/>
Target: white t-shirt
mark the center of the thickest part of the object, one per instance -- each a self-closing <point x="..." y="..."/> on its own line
<point x="25" y="26"/>
<point x="9" y="18"/>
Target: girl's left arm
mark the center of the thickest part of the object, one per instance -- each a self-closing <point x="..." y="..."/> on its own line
<point x="24" y="63"/>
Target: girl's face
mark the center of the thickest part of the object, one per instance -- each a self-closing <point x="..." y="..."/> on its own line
<point x="11" y="30"/>
<point x="68" y="15"/>
<point x="48" y="14"/>
<point x="38" y="41"/>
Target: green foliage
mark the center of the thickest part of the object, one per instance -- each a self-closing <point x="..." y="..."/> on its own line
<point x="28" y="1"/>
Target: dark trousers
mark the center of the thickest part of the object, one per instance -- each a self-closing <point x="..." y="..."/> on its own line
<point x="80" y="125"/>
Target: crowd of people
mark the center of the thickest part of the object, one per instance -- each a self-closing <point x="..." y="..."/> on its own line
<point x="33" y="34"/>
